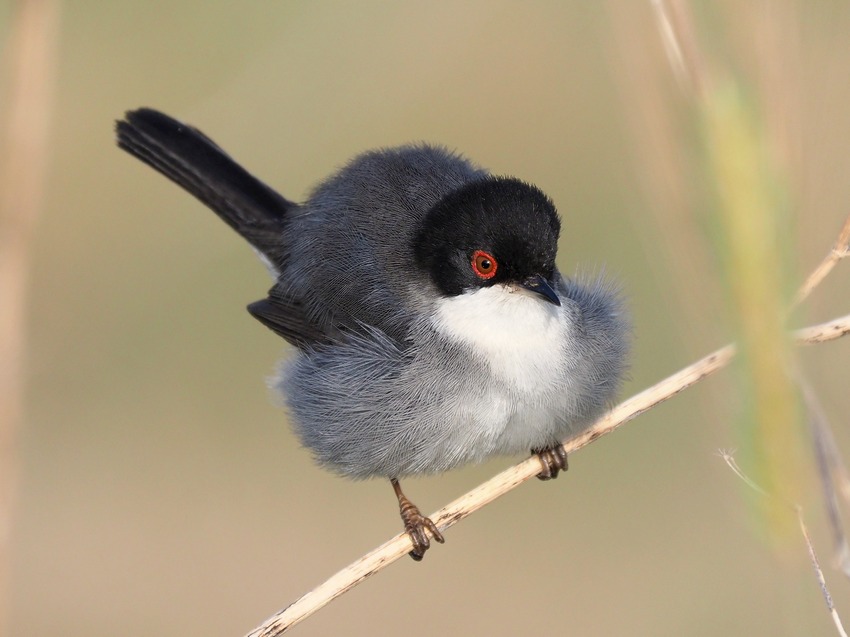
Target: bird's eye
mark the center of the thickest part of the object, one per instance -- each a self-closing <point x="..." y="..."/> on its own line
<point x="484" y="265"/>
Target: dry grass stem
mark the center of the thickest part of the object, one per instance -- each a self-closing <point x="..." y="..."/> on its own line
<point x="400" y="545"/>
<point x="836" y="619"/>
<point x="671" y="42"/>
<point x="822" y="332"/>
<point x="28" y="61"/>
<point x="839" y="251"/>
<point x="798" y="512"/>
<point x="677" y="35"/>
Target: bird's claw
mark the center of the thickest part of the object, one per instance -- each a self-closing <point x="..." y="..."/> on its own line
<point x="417" y="527"/>
<point x="554" y="460"/>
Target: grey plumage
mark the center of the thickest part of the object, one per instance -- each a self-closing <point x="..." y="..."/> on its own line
<point x="396" y="373"/>
<point x="397" y="397"/>
<point x="374" y="406"/>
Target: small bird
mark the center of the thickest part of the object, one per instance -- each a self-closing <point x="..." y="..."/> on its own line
<point x="432" y="327"/>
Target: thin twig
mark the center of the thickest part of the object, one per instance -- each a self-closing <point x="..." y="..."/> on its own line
<point x="672" y="46"/>
<point x="821" y="579"/>
<point x="840" y="250"/>
<point x="798" y="511"/>
<point x="509" y="479"/>
<point x="680" y="45"/>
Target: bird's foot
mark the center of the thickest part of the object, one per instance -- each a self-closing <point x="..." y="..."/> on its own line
<point x="553" y="459"/>
<point x="416" y="525"/>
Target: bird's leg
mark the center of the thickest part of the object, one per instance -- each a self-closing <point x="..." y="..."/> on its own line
<point x="415" y="524"/>
<point x="553" y="459"/>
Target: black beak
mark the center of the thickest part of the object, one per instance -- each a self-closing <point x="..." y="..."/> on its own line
<point x="539" y="285"/>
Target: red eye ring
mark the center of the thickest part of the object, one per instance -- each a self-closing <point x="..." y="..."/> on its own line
<point x="484" y="265"/>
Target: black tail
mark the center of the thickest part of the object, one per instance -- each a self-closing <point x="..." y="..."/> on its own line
<point x="193" y="161"/>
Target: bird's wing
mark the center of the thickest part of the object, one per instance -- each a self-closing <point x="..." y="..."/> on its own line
<point x="285" y="315"/>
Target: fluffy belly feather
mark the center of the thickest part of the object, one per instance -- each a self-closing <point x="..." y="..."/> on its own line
<point x="521" y="341"/>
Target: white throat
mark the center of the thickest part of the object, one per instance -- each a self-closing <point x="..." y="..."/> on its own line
<point x="520" y="334"/>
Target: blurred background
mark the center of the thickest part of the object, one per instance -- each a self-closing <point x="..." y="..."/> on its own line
<point x="160" y="490"/>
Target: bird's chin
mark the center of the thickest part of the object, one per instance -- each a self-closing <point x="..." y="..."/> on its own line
<point x="516" y="332"/>
<point x="497" y="314"/>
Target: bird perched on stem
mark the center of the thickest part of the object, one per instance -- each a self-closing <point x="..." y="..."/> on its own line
<point x="432" y="328"/>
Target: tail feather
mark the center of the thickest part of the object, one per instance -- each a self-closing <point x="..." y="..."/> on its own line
<point x="195" y="163"/>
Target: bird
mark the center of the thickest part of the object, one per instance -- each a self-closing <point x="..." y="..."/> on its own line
<point x="431" y="326"/>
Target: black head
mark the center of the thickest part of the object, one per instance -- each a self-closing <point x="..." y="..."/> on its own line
<point x="495" y="230"/>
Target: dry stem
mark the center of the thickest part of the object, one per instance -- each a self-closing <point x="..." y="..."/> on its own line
<point x="840" y="250"/>
<point x="504" y="482"/>
<point x="28" y="58"/>
<point x="679" y="39"/>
